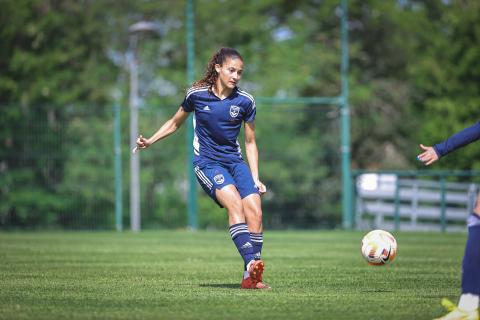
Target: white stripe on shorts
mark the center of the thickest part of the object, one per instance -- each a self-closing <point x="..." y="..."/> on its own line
<point x="202" y="177"/>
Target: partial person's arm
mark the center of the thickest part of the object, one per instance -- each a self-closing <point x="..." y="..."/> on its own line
<point x="458" y="140"/>
<point x="165" y="130"/>
<point x="252" y="154"/>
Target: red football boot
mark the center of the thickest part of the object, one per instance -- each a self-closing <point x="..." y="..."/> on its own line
<point x="249" y="284"/>
<point x="254" y="281"/>
<point x="255" y="269"/>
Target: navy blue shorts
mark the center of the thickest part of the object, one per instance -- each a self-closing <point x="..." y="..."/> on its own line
<point x="213" y="176"/>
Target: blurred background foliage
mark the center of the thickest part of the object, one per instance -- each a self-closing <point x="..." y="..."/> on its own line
<point x="414" y="78"/>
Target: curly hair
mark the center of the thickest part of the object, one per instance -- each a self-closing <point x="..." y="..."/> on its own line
<point x="210" y="77"/>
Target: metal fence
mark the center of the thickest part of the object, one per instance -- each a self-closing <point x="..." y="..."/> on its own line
<point x="57" y="172"/>
<point x="60" y="170"/>
<point x="415" y="201"/>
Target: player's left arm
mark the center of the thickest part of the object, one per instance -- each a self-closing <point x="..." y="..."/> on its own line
<point x="252" y="154"/>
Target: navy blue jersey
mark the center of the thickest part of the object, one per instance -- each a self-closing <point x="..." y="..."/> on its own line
<point x="458" y="140"/>
<point x="217" y="123"/>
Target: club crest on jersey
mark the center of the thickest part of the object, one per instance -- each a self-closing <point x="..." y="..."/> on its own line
<point x="234" y="111"/>
<point x="219" y="178"/>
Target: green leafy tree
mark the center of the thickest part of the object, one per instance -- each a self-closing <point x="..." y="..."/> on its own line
<point x="446" y="77"/>
<point x="53" y="56"/>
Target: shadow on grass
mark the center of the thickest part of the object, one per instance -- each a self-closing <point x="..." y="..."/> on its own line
<point x="375" y="290"/>
<point x="221" y="285"/>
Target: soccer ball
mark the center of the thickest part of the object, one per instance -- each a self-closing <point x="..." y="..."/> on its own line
<point x="379" y="247"/>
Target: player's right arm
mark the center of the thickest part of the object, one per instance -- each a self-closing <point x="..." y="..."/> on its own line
<point x="458" y="140"/>
<point x="165" y="130"/>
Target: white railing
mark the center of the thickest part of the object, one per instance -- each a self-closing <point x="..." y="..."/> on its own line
<point x="387" y="201"/>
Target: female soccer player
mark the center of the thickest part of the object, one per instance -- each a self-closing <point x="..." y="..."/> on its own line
<point x="220" y="108"/>
<point x="469" y="300"/>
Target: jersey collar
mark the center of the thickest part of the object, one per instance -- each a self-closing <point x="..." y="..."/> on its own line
<point x="234" y="91"/>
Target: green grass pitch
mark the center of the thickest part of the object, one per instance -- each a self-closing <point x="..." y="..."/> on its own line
<point x="196" y="275"/>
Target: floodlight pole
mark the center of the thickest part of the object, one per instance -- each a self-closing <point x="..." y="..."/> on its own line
<point x="117" y="150"/>
<point x="135" y="31"/>
<point x="192" y="184"/>
<point x="134" y="158"/>
<point x="347" y="205"/>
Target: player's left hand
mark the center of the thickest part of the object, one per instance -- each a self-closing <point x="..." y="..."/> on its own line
<point x="429" y="155"/>
<point x="261" y="187"/>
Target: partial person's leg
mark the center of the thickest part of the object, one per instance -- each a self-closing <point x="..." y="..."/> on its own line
<point x="476" y="210"/>
<point x="469" y="300"/>
<point x="471" y="263"/>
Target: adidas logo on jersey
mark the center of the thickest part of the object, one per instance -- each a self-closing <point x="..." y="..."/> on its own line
<point x="206" y="108"/>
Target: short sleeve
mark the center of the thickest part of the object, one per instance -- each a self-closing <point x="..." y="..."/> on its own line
<point x="187" y="103"/>
<point x="251" y="112"/>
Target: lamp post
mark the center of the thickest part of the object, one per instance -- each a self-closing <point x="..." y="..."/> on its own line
<point x="135" y="31"/>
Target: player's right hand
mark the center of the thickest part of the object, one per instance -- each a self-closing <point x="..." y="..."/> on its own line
<point x="142" y="143"/>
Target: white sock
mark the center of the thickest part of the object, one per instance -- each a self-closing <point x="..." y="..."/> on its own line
<point x="468" y="302"/>
<point x="245" y="273"/>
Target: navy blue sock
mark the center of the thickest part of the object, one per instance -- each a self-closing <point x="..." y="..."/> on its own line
<point x="471" y="258"/>
<point x="257" y="241"/>
<point x="241" y="238"/>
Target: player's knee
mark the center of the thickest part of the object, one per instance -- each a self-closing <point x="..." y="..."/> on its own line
<point x="256" y="213"/>
<point x="238" y="207"/>
<point x="235" y="208"/>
